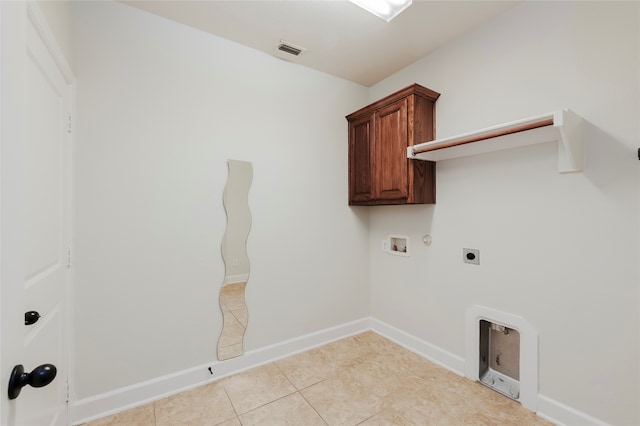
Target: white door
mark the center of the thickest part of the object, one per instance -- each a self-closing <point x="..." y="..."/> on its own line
<point x="35" y="215"/>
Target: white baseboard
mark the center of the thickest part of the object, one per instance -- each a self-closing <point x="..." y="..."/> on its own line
<point x="98" y="406"/>
<point x="562" y="415"/>
<point x="113" y="402"/>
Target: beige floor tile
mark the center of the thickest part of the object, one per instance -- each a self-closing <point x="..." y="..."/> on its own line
<point x="206" y="405"/>
<point x="318" y="364"/>
<point x="375" y="341"/>
<point x="256" y="387"/>
<point x="400" y="355"/>
<point x="345" y="351"/>
<point x="374" y="374"/>
<point x="140" y="416"/>
<point x="422" y="406"/>
<point x="292" y="410"/>
<point x="415" y="363"/>
<point x="321" y="363"/>
<point x="454" y="400"/>
<point x="465" y="397"/>
<point x="387" y="417"/>
<point x="307" y="368"/>
<point x="232" y="422"/>
<point x="485" y="406"/>
<point x="484" y="418"/>
<point x="342" y="402"/>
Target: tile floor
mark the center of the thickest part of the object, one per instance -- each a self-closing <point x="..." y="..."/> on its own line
<point x="360" y="380"/>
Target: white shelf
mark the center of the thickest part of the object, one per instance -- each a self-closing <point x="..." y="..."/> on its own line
<point x="563" y="126"/>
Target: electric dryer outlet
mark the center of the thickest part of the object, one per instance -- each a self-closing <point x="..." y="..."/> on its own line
<point x="471" y="256"/>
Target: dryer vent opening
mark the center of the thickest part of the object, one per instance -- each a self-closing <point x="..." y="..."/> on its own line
<point x="499" y="363"/>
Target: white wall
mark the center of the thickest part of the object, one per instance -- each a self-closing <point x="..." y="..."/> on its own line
<point x="559" y="250"/>
<point x="161" y="107"/>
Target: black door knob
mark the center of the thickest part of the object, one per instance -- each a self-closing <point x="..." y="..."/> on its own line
<point x="41" y="376"/>
<point x="31" y="317"/>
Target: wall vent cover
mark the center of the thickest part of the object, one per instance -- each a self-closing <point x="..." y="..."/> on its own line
<point x="291" y="48"/>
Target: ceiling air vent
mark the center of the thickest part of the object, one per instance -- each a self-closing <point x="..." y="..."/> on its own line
<point x="291" y="48"/>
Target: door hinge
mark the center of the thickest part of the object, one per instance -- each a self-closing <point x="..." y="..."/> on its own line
<point x="69" y="125"/>
<point x="68" y="392"/>
<point x="69" y="258"/>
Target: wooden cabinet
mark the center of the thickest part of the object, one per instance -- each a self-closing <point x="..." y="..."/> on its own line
<point x="379" y="134"/>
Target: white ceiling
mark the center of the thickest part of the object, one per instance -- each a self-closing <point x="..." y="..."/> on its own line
<point x="341" y="38"/>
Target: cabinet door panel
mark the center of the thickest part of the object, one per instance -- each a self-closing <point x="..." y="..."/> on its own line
<point x="360" y="159"/>
<point x="379" y="171"/>
<point x="390" y="151"/>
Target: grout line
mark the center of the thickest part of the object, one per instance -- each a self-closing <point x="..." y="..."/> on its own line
<point x="285" y="375"/>
<point x="314" y="408"/>
<point x="155" y="416"/>
<point x="230" y="402"/>
<point x="270" y="402"/>
<point x="370" y="417"/>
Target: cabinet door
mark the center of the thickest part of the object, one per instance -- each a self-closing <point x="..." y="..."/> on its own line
<point x="390" y="152"/>
<point x="361" y="134"/>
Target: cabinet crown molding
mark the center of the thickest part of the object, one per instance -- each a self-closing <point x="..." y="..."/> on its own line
<point x="414" y="89"/>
